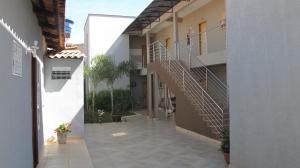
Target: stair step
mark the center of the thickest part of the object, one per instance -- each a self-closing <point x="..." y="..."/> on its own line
<point x="210" y="104"/>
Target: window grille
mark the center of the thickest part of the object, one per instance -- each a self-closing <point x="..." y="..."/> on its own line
<point x="61" y="73"/>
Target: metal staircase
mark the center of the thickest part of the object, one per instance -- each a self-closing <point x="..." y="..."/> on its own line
<point x="206" y="92"/>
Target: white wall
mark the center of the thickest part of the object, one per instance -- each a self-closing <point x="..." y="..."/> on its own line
<point x="64" y="98"/>
<point x="264" y="66"/>
<point x="103" y="32"/>
<point x="103" y="35"/>
<point x="212" y="13"/>
<point x="15" y="92"/>
<point x="119" y="51"/>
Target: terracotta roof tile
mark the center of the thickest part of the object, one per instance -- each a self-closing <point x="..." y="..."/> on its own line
<point x="74" y="54"/>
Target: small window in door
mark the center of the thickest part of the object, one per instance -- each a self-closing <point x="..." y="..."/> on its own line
<point x="203" y="38"/>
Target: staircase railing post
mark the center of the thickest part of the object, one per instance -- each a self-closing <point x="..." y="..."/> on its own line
<point x="183" y="80"/>
<point x="206" y="78"/>
<point x="202" y="97"/>
<point x="159" y="49"/>
<point x="169" y="64"/>
<point x="190" y="52"/>
<point x="153" y="52"/>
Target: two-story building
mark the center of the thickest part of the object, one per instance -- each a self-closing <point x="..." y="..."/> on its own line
<point x="186" y="62"/>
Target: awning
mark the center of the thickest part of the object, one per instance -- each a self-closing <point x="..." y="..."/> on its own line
<point x="151" y="14"/>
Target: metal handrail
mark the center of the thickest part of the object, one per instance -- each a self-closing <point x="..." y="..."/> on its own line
<point x="213" y="84"/>
<point x="192" y="78"/>
<point x="210" y="108"/>
<point x="198" y="95"/>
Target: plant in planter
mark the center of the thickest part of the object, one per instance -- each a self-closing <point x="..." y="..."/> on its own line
<point x="62" y="132"/>
<point x="225" y="145"/>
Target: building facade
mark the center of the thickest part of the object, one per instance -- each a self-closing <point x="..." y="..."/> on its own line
<point x="263" y="65"/>
<point x="16" y="86"/>
<point x="64" y="97"/>
<point x="103" y="36"/>
<point x="186" y="63"/>
<point x="32" y="103"/>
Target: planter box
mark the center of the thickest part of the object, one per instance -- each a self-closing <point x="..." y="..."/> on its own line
<point x="117" y="118"/>
<point x="62" y="138"/>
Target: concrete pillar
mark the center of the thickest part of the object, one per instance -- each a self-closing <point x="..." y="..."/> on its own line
<point x="156" y="96"/>
<point x="149" y="78"/>
<point x="149" y="94"/>
<point x="175" y="35"/>
<point x="148" y="47"/>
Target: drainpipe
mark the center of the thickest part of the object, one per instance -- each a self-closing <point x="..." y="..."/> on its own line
<point x="34" y="48"/>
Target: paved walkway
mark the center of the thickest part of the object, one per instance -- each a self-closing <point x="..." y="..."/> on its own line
<point x="144" y="143"/>
<point x="74" y="154"/>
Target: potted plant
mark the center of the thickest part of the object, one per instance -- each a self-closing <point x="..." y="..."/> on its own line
<point x="225" y="145"/>
<point x="62" y="131"/>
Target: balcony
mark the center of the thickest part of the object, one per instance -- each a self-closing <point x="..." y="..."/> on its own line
<point x="139" y="60"/>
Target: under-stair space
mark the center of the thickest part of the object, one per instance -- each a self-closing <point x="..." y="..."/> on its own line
<point x="201" y="98"/>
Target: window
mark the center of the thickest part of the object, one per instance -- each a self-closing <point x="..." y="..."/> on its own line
<point x="61" y="73"/>
<point x="17" y="59"/>
<point x="202" y="38"/>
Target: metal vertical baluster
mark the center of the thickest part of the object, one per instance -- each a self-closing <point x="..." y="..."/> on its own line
<point x="183" y="80"/>
<point x="206" y="79"/>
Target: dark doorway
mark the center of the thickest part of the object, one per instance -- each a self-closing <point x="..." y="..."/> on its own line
<point x="34" y="113"/>
<point x="152" y="95"/>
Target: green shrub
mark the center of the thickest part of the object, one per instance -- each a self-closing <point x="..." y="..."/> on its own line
<point x="122" y="101"/>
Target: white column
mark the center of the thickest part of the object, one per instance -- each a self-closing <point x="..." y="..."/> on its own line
<point x="148" y="47"/>
<point x="156" y="95"/>
<point x="149" y="79"/>
<point x="175" y="35"/>
<point x="149" y="94"/>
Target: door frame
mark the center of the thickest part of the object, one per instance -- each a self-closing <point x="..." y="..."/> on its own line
<point x="202" y="28"/>
<point x="35" y="150"/>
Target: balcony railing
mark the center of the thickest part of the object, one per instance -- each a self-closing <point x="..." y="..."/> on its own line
<point x="189" y="51"/>
<point x="137" y="60"/>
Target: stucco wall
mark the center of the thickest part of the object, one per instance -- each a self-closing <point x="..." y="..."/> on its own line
<point x="64" y="98"/>
<point x="103" y="35"/>
<point x="104" y="30"/>
<point x="119" y="51"/>
<point x="212" y="13"/>
<point x="164" y="34"/>
<point x="263" y="52"/>
<point x="15" y="92"/>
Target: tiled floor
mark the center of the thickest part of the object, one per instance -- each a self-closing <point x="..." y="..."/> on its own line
<point x="74" y="154"/>
<point x="144" y="143"/>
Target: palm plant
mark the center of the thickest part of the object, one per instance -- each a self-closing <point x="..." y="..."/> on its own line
<point x="105" y="69"/>
<point x="115" y="72"/>
<point x="95" y="73"/>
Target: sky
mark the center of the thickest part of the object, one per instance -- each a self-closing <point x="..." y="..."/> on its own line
<point x="78" y="10"/>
